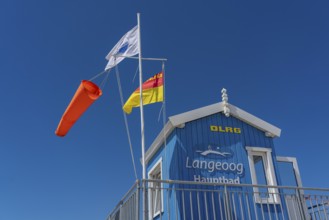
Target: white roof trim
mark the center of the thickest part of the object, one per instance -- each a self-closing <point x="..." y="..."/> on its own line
<point x="181" y="119"/>
<point x="254" y="121"/>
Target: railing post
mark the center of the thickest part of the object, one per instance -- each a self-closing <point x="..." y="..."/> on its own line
<point x="301" y="204"/>
<point x="145" y="200"/>
<point x="120" y="212"/>
<point x="227" y="203"/>
<point x="137" y="201"/>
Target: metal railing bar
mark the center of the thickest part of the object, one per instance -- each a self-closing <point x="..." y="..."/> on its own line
<point x="241" y="206"/>
<point x="288" y="209"/>
<point x="241" y="185"/>
<point x="195" y="190"/>
<point x="213" y="205"/>
<point x="125" y="208"/>
<point x="226" y="204"/>
<point x="254" y="202"/>
<point x="198" y="200"/>
<point x="161" y="201"/>
<point x="129" y="205"/>
<point x="268" y="206"/>
<point x="205" y="203"/>
<point x="121" y="213"/>
<point x="137" y="204"/>
<point x="191" y="205"/>
<point x="300" y="205"/>
<point x="324" y="209"/>
<point x="220" y="206"/>
<point x="168" y="206"/>
<point x="176" y="205"/>
<point x="317" y="203"/>
<point x="133" y="207"/>
<point x="282" y="214"/>
<point x="184" y="215"/>
<point x="275" y="209"/>
<point x="248" y="206"/>
<point x="233" y="203"/>
<point x="310" y="198"/>
<point x="261" y="204"/>
<point x="153" y="202"/>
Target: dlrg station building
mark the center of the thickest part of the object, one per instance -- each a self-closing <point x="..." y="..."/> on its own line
<point x="209" y="164"/>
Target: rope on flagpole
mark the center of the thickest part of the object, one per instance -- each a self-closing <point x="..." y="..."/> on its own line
<point x="125" y="119"/>
<point x="102" y="85"/>
<point x="99" y="74"/>
<point x="160" y="112"/>
<point x="135" y="73"/>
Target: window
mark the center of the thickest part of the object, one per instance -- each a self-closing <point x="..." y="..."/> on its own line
<point x="155" y="190"/>
<point x="262" y="173"/>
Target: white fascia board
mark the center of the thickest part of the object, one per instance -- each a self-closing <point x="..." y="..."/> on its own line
<point x="235" y="111"/>
<point x="181" y="119"/>
<point x="254" y="121"/>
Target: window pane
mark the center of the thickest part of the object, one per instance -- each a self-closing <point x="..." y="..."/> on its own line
<point x="260" y="175"/>
<point x="157" y="200"/>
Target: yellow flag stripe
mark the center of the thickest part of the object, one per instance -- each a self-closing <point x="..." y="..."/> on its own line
<point x="151" y="95"/>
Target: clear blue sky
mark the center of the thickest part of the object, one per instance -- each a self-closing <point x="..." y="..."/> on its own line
<point x="273" y="57"/>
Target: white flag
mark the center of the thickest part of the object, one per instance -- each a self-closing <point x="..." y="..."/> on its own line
<point x="126" y="47"/>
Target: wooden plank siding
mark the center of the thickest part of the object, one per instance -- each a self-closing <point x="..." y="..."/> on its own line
<point x="183" y="146"/>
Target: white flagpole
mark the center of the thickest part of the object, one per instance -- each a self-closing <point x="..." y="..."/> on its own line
<point x="142" y="116"/>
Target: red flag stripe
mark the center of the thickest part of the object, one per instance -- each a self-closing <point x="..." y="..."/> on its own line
<point x="153" y="82"/>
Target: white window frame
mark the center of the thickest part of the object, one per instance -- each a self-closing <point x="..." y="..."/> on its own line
<point x="157" y="167"/>
<point x="293" y="160"/>
<point x="266" y="154"/>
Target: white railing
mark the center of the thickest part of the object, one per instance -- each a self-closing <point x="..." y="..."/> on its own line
<point x="185" y="200"/>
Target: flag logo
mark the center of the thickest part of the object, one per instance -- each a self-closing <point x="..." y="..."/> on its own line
<point x="126" y="47"/>
<point x="123" y="48"/>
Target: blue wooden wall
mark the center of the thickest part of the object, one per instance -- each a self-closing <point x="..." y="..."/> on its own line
<point x="182" y="156"/>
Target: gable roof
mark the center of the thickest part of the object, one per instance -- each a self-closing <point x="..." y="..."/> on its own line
<point x="180" y="120"/>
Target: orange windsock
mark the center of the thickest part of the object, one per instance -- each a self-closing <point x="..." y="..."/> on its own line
<point x="85" y="95"/>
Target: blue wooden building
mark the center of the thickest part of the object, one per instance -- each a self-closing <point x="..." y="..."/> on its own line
<point x="207" y="164"/>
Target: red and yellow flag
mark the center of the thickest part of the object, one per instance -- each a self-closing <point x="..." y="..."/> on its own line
<point x="152" y="92"/>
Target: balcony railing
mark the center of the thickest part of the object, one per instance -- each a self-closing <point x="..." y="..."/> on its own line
<point x="183" y="200"/>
